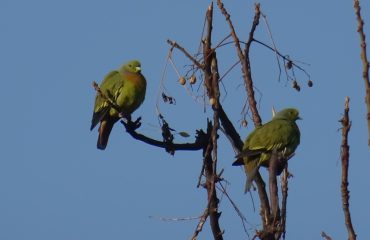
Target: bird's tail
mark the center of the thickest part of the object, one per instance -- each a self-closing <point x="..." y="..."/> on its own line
<point x="251" y="169"/>
<point x="104" y="132"/>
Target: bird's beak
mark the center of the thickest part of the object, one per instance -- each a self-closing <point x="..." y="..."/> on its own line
<point x="138" y="69"/>
<point x="299" y="118"/>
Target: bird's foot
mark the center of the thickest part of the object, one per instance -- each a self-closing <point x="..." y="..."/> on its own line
<point x="130" y="125"/>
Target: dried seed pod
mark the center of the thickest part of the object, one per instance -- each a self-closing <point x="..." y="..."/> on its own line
<point x="212" y="101"/>
<point x="193" y="79"/>
<point x="296" y="86"/>
<point x="182" y="80"/>
<point x="289" y="64"/>
<point x="244" y="123"/>
<point x="310" y="83"/>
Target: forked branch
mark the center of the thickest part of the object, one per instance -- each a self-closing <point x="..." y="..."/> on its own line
<point x="244" y="59"/>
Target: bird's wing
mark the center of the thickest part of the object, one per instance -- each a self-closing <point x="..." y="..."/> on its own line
<point x="249" y="153"/>
<point x="272" y="135"/>
<point x="109" y="87"/>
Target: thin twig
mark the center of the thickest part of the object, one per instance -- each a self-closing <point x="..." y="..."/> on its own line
<point x="202" y="221"/>
<point x="237" y="210"/>
<point x="283" y="57"/>
<point x="175" y="219"/>
<point x="106" y="98"/>
<point x="273" y="42"/>
<point x="325" y="236"/>
<point x="229" y="70"/>
<point x="346" y="126"/>
<point x="365" y="62"/>
<point x="174" y="66"/>
<point x="176" y="45"/>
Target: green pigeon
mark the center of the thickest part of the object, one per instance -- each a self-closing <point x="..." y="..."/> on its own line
<point x="126" y="89"/>
<point x="280" y="134"/>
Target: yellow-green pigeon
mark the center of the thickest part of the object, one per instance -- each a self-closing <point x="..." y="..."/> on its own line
<point x="280" y="134"/>
<point x="126" y="89"/>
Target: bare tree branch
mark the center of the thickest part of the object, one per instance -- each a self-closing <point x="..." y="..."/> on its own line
<point x="244" y="59"/>
<point x="201" y="223"/>
<point x="230" y="130"/>
<point x="284" y="193"/>
<point x="265" y="206"/>
<point x="200" y="141"/>
<point x="346" y="126"/>
<point x="274" y="198"/>
<point x="248" y="82"/>
<point x="210" y="163"/>
<point x="187" y="54"/>
<point x="237" y="210"/>
<point x="209" y="168"/>
<point x="365" y="62"/>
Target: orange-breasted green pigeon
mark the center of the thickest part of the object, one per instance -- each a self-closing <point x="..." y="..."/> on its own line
<point x="126" y="89"/>
<point x="280" y="134"/>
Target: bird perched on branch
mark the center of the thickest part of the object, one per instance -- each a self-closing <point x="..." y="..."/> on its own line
<point x="123" y="90"/>
<point x="280" y="134"/>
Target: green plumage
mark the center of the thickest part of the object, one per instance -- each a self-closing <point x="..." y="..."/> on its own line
<point x="280" y="134"/>
<point x="125" y="88"/>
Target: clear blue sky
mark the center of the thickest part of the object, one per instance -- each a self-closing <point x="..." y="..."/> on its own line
<point x="55" y="184"/>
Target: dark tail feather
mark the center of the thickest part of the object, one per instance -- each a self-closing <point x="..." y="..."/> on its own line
<point x="104" y="132"/>
<point x="248" y="183"/>
<point x="251" y="170"/>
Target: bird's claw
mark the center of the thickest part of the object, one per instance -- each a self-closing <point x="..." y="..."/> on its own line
<point x="132" y="125"/>
<point x="137" y="122"/>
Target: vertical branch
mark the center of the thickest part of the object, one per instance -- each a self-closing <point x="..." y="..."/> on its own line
<point x="214" y="214"/>
<point x="207" y="53"/>
<point x="265" y="206"/>
<point x="365" y="62"/>
<point x="274" y="199"/>
<point x="346" y="126"/>
<point x="247" y="68"/>
<point x="213" y="201"/>
<point x="210" y="168"/>
<point x="248" y="83"/>
<point x="284" y="191"/>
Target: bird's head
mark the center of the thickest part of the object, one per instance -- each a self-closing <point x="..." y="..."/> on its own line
<point x="133" y="66"/>
<point x="290" y="114"/>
